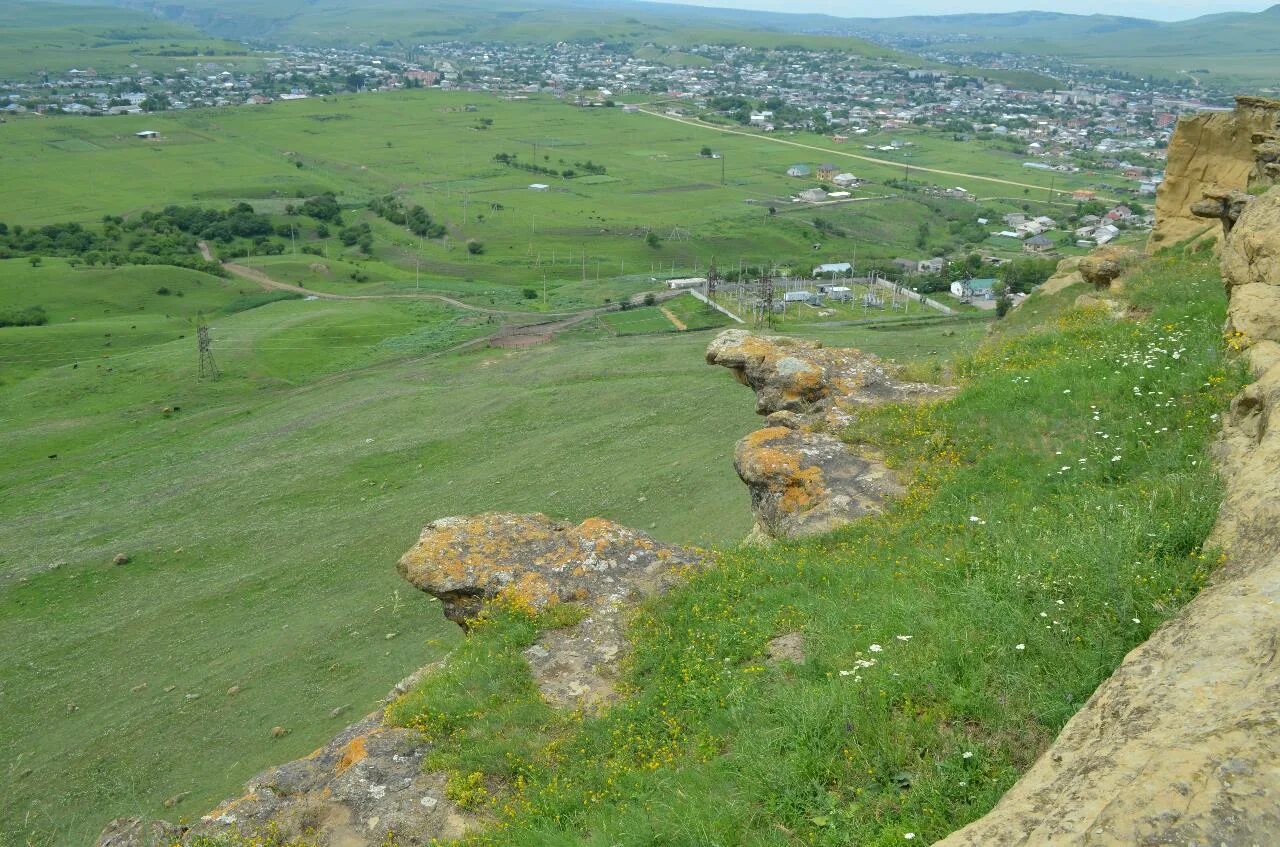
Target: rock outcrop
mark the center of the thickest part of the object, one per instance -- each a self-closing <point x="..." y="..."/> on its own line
<point x="369" y="780"/>
<point x="1212" y="153"/>
<point x="803" y="479"/>
<point x="365" y="783"/>
<point x="1106" y="264"/>
<point x="1182" y="744"/>
<point x="533" y="562"/>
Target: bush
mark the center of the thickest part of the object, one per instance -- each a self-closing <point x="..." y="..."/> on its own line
<point x="475" y="248"/>
<point x="649" y="299"/>
<point x="30" y="316"/>
<point x="163" y="291"/>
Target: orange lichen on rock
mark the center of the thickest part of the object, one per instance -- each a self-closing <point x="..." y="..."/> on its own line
<point x="529" y="562"/>
<point x="804" y="481"/>
<point x="355" y="751"/>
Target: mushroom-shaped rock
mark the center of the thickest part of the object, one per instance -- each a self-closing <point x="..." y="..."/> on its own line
<point x="797" y="375"/>
<point x="533" y="561"/>
<point x="1104" y="265"/>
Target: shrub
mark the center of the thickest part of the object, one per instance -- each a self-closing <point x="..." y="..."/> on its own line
<point x="30" y="316"/>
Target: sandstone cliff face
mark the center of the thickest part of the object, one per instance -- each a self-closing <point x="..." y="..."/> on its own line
<point x="1182" y="744"/>
<point x="803" y="479"/>
<point x="1212" y="152"/>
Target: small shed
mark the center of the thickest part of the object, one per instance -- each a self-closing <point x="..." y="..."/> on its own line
<point x="148" y="134"/>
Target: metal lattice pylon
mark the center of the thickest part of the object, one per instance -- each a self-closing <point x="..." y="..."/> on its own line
<point x="208" y="367"/>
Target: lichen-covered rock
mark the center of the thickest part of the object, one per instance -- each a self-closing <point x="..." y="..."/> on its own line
<point x="1105" y="265"/>
<point x="804" y="480"/>
<point x="1209" y="152"/>
<point x="367" y="782"/>
<point x="796" y="375"/>
<point x="533" y="562"/>
<point x="132" y="832"/>
<point x="806" y="483"/>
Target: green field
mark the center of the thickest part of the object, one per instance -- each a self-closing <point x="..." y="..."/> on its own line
<point x="585" y="236"/>
<point x="263" y="511"/>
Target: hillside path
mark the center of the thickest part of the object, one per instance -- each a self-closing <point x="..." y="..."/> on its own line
<point x="267" y="282"/>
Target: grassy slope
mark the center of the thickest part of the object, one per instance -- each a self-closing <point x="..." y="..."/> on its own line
<point x="35" y="37"/>
<point x="947" y="641"/>
<point x="264" y="514"/>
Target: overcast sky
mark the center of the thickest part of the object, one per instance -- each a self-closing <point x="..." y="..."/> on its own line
<point x="1166" y="10"/>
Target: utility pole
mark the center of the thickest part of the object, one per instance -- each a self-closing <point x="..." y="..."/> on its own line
<point x="766" y="296"/>
<point x="208" y="368"/>
<point x="722" y="169"/>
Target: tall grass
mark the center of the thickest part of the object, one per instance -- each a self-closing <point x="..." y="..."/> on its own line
<point x="1057" y="509"/>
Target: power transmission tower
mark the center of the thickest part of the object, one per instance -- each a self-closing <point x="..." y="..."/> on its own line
<point x="766" y="296"/>
<point x="208" y="367"/>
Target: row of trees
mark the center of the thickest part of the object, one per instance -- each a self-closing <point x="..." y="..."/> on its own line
<point x="417" y="219"/>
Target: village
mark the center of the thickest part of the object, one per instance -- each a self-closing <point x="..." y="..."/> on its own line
<point x="1089" y="122"/>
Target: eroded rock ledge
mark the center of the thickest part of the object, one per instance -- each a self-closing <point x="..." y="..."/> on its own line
<point x="534" y="562"/>
<point x="803" y="479"/>
<point x="369" y="780"/>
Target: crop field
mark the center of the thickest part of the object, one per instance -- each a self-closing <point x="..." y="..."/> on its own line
<point x="587" y="236"/>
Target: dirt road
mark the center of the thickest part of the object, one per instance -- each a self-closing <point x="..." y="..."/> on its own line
<point x="841" y="153"/>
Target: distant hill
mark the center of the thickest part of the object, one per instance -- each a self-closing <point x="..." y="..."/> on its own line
<point x="408" y="21"/>
<point x="55" y="36"/>
<point x="1237" y="49"/>
<point x="1231" y="48"/>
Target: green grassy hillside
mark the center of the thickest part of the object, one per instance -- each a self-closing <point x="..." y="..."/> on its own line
<point x="1056" y="516"/>
<point x="263" y="512"/>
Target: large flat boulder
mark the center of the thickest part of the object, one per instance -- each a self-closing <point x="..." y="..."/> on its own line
<point x="534" y="562"/>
